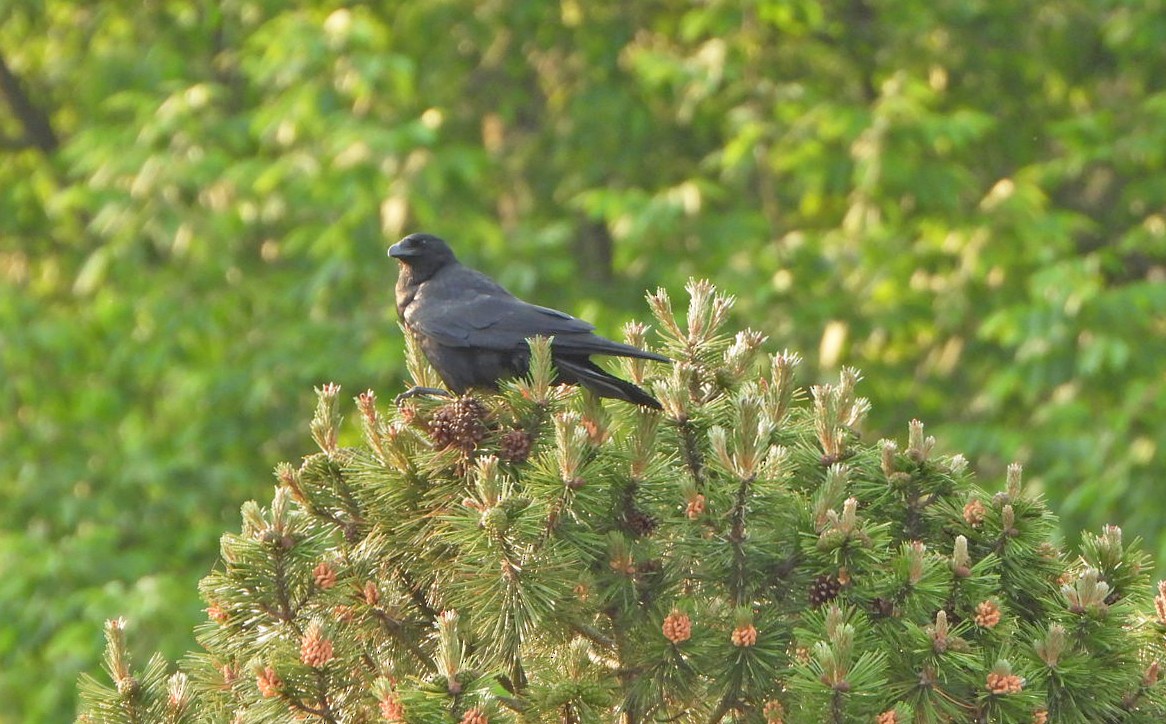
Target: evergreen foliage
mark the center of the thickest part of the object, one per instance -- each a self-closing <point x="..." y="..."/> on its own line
<point x="533" y="555"/>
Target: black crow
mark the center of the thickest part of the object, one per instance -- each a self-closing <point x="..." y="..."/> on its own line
<point x="474" y="332"/>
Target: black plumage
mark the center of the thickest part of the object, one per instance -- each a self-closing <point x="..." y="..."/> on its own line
<point x="474" y="332"/>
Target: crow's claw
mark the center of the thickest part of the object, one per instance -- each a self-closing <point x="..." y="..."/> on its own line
<point x="418" y="390"/>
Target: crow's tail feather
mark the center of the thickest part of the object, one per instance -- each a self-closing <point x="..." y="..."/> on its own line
<point x="579" y="345"/>
<point x="588" y="374"/>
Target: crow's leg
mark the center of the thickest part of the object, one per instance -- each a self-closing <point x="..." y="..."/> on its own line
<point x="418" y="390"/>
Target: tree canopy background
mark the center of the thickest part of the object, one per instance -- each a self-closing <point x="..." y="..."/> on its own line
<point x="965" y="199"/>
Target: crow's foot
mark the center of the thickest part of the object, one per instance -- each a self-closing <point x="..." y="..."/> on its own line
<point x="418" y="390"/>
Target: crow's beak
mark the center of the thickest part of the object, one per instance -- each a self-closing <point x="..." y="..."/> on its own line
<point x="399" y="252"/>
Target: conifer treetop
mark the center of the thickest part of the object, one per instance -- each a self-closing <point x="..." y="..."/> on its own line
<point x="742" y="555"/>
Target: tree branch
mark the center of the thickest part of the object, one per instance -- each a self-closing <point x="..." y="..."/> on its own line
<point x="38" y="131"/>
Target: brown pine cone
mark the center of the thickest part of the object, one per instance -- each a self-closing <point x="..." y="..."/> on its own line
<point x="640" y="523"/>
<point x="823" y="590"/>
<point x="514" y="446"/>
<point x="461" y="424"/>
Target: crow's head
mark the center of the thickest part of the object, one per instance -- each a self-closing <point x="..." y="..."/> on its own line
<point x="423" y="253"/>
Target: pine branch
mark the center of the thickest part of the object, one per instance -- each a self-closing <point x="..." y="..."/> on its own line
<point x="693" y="457"/>
<point x="723" y="707"/>
<point x="416" y="595"/>
<point x="287" y="612"/>
<point x="594" y="635"/>
<point x="514" y="704"/>
<point x="323" y="712"/>
<point x="737" y="583"/>
<point x="322" y="688"/>
<point x="837" y="710"/>
<point x="397" y="630"/>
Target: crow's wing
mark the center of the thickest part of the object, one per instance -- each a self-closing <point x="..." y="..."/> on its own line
<point x="460" y="307"/>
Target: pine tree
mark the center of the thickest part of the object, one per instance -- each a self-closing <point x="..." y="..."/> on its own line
<point x="535" y="555"/>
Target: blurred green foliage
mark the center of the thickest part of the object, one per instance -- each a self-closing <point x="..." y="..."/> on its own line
<point x="964" y="198"/>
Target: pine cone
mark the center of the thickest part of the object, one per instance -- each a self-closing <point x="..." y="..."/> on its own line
<point x="987" y="614"/>
<point x="975" y="512"/>
<point x="217" y="613"/>
<point x="230" y="674"/>
<point x="495" y="521"/>
<point x="268" y="682"/>
<point x="408" y="412"/>
<point x="392" y="709"/>
<point x="884" y="607"/>
<point x="695" y="507"/>
<point x="315" y="649"/>
<point x="325" y="576"/>
<point x="640" y="523"/>
<point x="649" y="567"/>
<point x="514" y="446"/>
<point x="677" y="627"/>
<point x="370" y="594"/>
<point x="474" y="716"/>
<point x="823" y="590"/>
<point x="744" y="635"/>
<point x="1000" y="684"/>
<point x="774" y="712"/>
<point x="461" y="423"/>
<point x="441" y="427"/>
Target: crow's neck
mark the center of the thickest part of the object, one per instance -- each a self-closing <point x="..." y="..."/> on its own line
<point x="409" y="280"/>
<point x="407" y="283"/>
